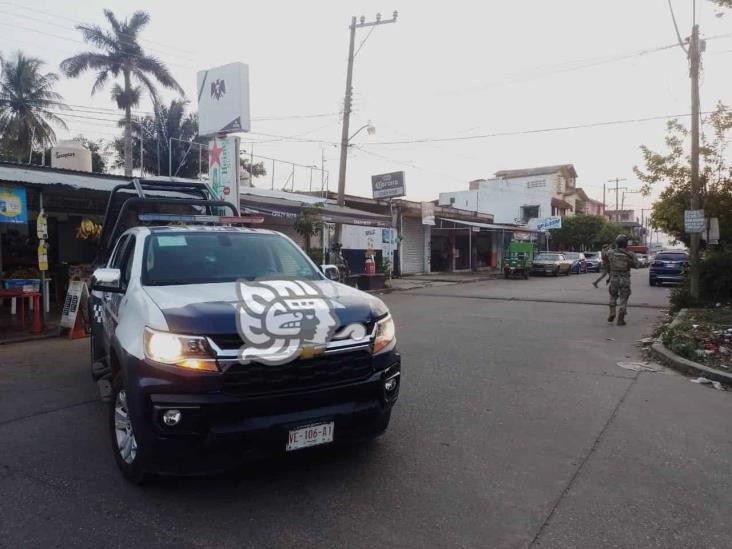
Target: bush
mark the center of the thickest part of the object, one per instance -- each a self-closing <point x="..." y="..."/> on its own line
<point x="681" y="298"/>
<point x="715" y="276"/>
<point x="715" y="283"/>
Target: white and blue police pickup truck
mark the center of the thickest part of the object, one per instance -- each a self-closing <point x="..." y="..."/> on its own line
<point x="213" y="341"/>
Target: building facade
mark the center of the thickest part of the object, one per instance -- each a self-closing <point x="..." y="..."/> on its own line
<point x="627" y="221"/>
<point x="518" y="196"/>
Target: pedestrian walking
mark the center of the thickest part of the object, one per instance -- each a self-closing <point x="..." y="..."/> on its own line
<point x="620" y="262"/>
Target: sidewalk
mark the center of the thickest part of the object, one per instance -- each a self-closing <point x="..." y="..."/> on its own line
<point x="412" y="282"/>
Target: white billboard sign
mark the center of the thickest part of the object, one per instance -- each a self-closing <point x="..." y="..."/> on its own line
<point x="694" y="221"/>
<point x="223" y="100"/>
<point x="548" y="223"/>
<point x="223" y="169"/>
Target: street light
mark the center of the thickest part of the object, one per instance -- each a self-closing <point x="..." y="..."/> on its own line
<point x="370" y="129"/>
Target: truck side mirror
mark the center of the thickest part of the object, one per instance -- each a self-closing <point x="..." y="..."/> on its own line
<point x="331" y="272"/>
<point x="107" y="280"/>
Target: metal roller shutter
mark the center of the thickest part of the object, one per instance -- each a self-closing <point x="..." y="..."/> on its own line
<point x="412" y="246"/>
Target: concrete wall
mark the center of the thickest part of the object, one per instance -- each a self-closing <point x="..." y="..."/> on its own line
<point x="504" y="197"/>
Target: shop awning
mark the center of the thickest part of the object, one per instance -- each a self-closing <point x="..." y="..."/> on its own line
<point x="290" y="208"/>
<point x="489" y="226"/>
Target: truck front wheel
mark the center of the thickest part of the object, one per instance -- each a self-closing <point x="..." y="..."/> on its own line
<point x="127" y="452"/>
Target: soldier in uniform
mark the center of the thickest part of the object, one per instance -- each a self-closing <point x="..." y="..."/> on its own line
<point x="620" y="261"/>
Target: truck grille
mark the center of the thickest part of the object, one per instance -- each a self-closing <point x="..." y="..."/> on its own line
<point x="312" y="373"/>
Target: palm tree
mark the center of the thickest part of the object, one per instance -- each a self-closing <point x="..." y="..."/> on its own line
<point x="28" y="106"/>
<point x="121" y="55"/>
<point x="174" y="121"/>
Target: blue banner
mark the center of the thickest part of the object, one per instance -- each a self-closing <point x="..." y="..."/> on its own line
<point x="13" y="205"/>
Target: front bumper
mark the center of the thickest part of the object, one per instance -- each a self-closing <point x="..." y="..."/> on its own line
<point x="546" y="269"/>
<point x="219" y="429"/>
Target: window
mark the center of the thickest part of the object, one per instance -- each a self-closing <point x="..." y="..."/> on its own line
<point x="209" y="257"/>
<point x="116" y="258"/>
<point x="529" y="212"/>
<point x="126" y="263"/>
<point x="452" y="200"/>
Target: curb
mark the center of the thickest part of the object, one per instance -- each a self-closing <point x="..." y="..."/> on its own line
<point x="428" y="283"/>
<point x="686" y="366"/>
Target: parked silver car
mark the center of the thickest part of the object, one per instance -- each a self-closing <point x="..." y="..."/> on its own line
<point x="551" y="263"/>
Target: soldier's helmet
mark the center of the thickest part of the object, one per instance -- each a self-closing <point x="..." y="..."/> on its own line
<point x="621" y="241"/>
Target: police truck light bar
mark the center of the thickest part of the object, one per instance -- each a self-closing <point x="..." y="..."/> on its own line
<point x="219" y="219"/>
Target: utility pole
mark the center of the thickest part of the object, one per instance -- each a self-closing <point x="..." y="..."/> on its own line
<point x="643" y="224"/>
<point x="322" y="170"/>
<point x="694" y="63"/>
<point x="617" y="181"/>
<point x="347" y="105"/>
<point x="603" y="199"/>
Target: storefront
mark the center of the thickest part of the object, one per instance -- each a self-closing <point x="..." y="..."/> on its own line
<point x="365" y="234"/>
<point x="74" y="204"/>
<point x="460" y="245"/>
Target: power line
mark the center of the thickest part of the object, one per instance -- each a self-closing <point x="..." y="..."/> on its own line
<point x="676" y="27"/>
<point x="29" y="29"/>
<point x="525" y="132"/>
<point x="109" y="110"/>
<point x="184" y="53"/>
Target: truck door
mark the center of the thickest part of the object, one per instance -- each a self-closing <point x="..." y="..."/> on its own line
<point x="115" y="300"/>
<point x="103" y="303"/>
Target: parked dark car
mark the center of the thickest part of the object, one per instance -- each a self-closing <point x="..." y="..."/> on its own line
<point x="594" y="261"/>
<point x="551" y="263"/>
<point x="579" y="263"/>
<point x="668" y="266"/>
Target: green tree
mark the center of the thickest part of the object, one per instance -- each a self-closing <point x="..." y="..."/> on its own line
<point x="171" y="121"/>
<point x="673" y="168"/>
<point x="584" y="232"/>
<point x="309" y="223"/>
<point x="255" y="170"/>
<point x="120" y="54"/>
<point x="28" y="106"/>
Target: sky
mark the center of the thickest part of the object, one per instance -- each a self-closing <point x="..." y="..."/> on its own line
<point x="443" y="70"/>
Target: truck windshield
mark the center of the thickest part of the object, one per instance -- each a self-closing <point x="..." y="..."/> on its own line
<point x="174" y="257"/>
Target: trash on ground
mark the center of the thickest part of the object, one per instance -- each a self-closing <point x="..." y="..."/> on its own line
<point x="647" y="340"/>
<point x="639" y="366"/>
<point x="704" y="381"/>
<point x="610" y="338"/>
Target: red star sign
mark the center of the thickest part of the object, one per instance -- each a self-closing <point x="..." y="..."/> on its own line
<point x="214" y="154"/>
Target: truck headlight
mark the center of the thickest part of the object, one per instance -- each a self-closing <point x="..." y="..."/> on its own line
<point x="385" y="338"/>
<point x="191" y="352"/>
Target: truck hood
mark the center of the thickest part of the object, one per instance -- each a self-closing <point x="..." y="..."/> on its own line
<point x="211" y="308"/>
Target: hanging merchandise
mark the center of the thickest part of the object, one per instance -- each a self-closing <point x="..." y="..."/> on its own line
<point x="42" y="225"/>
<point x="42" y="255"/>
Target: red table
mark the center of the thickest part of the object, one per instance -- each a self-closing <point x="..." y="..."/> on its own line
<point x="36" y="296"/>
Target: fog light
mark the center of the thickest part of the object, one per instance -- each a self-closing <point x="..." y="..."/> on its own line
<point x="171" y="418"/>
<point x="391" y="384"/>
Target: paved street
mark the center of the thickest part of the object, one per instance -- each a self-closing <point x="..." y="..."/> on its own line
<point x="515" y="428"/>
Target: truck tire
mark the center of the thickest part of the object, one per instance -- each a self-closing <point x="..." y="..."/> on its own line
<point x="128" y="455"/>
